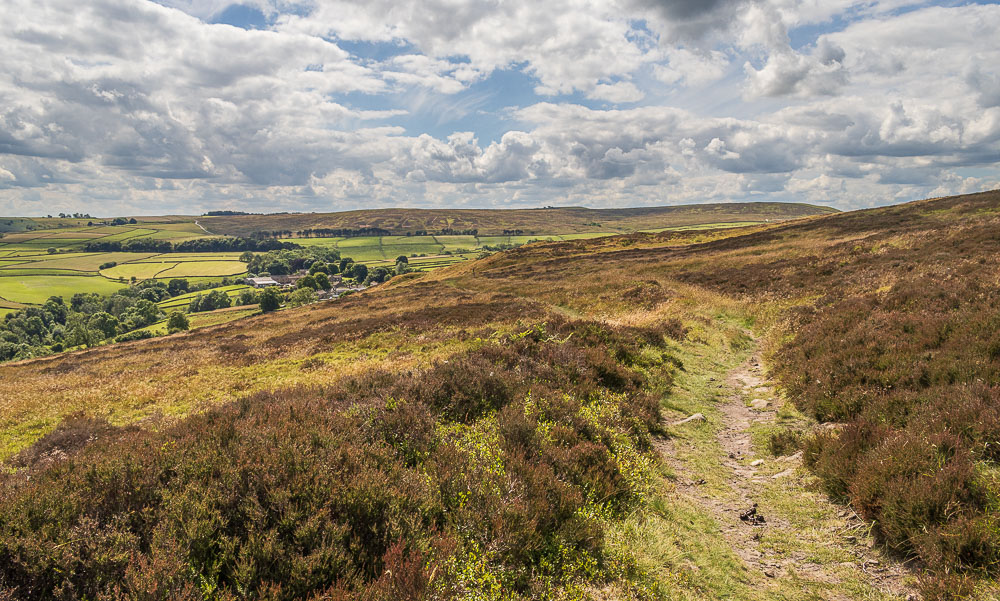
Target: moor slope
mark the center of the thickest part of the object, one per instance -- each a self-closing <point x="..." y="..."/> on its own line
<point x="511" y="428"/>
<point x="557" y="220"/>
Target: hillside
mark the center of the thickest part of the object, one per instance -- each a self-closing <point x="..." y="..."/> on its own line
<point x="562" y="220"/>
<point x="517" y="427"/>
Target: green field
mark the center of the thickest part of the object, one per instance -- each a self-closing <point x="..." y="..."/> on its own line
<point x="140" y="271"/>
<point x="204" y="268"/>
<point x="36" y="289"/>
<point x="67" y="235"/>
<point x="378" y="250"/>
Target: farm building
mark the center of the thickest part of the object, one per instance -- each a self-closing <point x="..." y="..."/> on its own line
<point x="262" y="282"/>
<point x="288" y="280"/>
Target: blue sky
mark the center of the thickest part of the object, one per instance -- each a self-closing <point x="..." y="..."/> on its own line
<point x="130" y="106"/>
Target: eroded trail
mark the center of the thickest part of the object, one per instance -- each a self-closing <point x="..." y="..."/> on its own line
<point x="787" y="539"/>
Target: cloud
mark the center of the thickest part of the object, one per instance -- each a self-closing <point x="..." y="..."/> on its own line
<point x="341" y="103"/>
<point x="568" y="45"/>
<point x="790" y="73"/>
<point x="620" y="92"/>
<point x="156" y="93"/>
<point x="689" y="20"/>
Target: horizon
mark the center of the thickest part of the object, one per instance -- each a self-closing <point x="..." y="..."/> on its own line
<point x="238" y="213"/>
<point x="133" y="107"/>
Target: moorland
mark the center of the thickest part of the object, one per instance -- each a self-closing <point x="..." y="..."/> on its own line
<point x="803" y="409"/>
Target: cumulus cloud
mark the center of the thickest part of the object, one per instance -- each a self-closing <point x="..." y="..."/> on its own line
<point x="342" y="103"/>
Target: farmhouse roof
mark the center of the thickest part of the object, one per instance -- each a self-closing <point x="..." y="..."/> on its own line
<point x="261" y="282"/>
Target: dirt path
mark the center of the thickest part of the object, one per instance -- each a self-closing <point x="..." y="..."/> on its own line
<point x="769" y="510"/>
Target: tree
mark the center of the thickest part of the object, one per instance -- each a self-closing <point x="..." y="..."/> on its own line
<point x="153" y="294"/>
<point x="246" y="257"/>
<point x="247" y="296"/>
<point x="51" y="250"/>
<point x="307" y="282"/>
<point x="218" y="300"/>
<point x="322" y="282"/>
<point x="104" y="323"/>
<point x="140" y="315"/>
<point x="302" y="296"/>
<point x="402" y="259"/>
<point x="318" y="267"/>
<point x="359" y="272"/>
<point x="177" y="286"/>
<point x="270" y="299"/>
<point x="177" y="322"/>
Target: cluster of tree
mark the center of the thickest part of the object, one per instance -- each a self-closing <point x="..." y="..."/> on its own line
<point x="315" y="281"/>
<point x="87" y="320"/>
<point x="323" y="232"/>
<point x="495" y="247"/>
<point x="202" y="245"/>
<point x="513" y="232"/>
<point x="73" y="215"/>
<point x="218" y="299"/>
<point x="226" y="213"/>
<point x="90" y="318"/>
<point x="287" y="261"/>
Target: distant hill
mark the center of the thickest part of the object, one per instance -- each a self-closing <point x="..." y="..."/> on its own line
<point x="530" y="221"/>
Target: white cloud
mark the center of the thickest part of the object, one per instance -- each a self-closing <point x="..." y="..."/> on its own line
<point x="126" y="103"/>
<point x="619" y="92"/>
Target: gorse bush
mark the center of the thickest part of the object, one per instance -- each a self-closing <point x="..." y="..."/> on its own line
<point x="494" y="470"/>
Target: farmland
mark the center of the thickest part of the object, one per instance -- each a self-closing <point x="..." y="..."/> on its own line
<point x="43" y="257"/>
<point x="49" y="259"/>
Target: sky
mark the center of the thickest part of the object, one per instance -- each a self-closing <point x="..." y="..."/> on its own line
<point x="180" y="106"/>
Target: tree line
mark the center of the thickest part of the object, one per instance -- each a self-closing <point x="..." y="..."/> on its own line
<point x="201" y="245"/>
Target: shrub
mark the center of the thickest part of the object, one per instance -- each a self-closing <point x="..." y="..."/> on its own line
<point x="301" y="296"/>
<point x="270" y="299"/>
<point x="134" y="335"/>
<point x="177" y="322"/>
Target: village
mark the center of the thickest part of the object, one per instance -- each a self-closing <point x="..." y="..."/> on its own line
<point x="291" y="281"/>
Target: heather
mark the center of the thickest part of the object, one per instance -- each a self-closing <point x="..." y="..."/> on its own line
<point x="496" y="429"/>
<point x="391" y="484"/>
